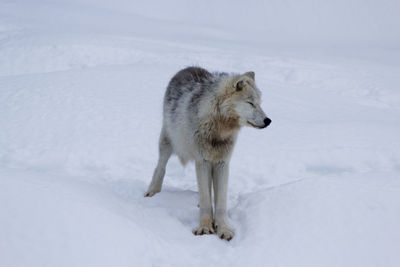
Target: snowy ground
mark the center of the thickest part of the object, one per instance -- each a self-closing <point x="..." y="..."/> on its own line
<point x="81" y="87"/>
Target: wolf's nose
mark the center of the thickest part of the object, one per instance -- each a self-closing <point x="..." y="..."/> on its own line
<point x="267" y="122"/>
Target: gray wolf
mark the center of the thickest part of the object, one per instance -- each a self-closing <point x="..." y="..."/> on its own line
<point x="202" y="115"/>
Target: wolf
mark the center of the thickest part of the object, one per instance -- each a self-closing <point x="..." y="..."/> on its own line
<point x="202" y="114"/>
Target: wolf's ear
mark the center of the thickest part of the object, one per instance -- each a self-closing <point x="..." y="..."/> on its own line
<point x="250" y="74"/>
<point x="239" y="84"/>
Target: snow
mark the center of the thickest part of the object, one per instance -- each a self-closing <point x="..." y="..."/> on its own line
<point x="81" y="88"/>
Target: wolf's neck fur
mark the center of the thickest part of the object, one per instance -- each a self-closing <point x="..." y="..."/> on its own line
<point x="218" y="127"/>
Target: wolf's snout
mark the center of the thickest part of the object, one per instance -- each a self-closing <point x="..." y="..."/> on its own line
<point x="267" y="121"/>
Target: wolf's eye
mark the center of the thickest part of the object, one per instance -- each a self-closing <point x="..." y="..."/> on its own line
<point x="251" y="104"/>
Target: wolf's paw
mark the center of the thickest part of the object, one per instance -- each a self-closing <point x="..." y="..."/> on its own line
<point x="224" y="231"/>
<point x="205" y="228"/>
<point x="151" y="193"/>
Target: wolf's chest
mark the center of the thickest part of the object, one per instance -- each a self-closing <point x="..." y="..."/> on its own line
<point x="215" y="149"/>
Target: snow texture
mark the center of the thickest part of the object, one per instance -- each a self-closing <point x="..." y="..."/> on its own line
<point x="81" y="88"/>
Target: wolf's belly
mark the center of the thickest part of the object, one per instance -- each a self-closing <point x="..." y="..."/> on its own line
<point x="182" y="143"/>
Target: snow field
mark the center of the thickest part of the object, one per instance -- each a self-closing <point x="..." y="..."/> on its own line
<point x="80" y="115"/>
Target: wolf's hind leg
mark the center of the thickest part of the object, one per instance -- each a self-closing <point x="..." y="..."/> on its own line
<point x="165" y="151"/>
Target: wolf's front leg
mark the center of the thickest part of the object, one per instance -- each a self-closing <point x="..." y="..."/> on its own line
<point x="203" y="172"/>
<point x="220" y="180"/>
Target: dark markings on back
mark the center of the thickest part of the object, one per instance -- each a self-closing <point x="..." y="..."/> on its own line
<point x="187" y="80"/>
<point x="195" y="73"/>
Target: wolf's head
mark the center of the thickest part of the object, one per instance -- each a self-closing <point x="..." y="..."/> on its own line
<point x="244" y="100"/>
